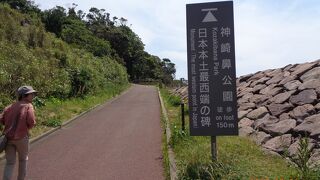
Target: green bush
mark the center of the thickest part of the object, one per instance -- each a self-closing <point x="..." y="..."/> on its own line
<point x="174" y="100"/>
<point x="53" y="123"/>
<point x="304" y="153"/>
<point x="38" y="102"/>
<point x="204" y="171"/>
<point x="177" y="135"/>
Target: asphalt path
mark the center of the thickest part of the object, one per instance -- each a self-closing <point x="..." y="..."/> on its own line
<point x="119" y="140"/>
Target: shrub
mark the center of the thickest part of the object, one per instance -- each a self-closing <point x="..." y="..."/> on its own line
<point x="174" y="100"/>
<point x="177" y="135"/>
<point x="53" y="123"/>
<point x="304" y="153"/>
<point x="204" y="171"/>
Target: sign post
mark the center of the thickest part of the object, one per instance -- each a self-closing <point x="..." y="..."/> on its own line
<point x="211" y="70"/>
<point x="214" y="148"/>
<point x="182" y="116"/>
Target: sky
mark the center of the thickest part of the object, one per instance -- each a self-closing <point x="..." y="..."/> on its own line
<point x="268" y="33"/>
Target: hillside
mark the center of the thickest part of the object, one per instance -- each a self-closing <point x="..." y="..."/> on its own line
<point x="30" y="55"/>
<point x="68" y="53"/>
<point x="276" y="107"/>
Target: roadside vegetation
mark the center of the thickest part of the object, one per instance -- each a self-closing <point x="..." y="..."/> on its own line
<point x="53" y="112"/>
<point x="29" y="55"/>
<point x="75" y="59"/>
<point x="66" y="53"/>
<point x="164" y="148"/>
<point x="99" y="33"/>
<point x="238" y="157"/>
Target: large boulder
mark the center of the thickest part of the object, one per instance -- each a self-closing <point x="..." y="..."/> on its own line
<point x="260" y="137"/>
<point x="305" y="97"/>
<point x="291" y="85"/>
<point x="244" y="92"/>
<point x="302" y="112"/>
<point x="243" y="86"/>
<point x="284" y="116"/>
<point x="245" y="98"/>
<point x="245" y="122"/>
<point x="277" y="78"/>
<point x="267" y="119"/>
<point x="311" y="125"/>
<point x="242" y="114"/>
<point x="257" y="76"/>
<point x="287" y="79"/>
<point x="273" y="72"/>
<point x="257" y="113"/>
<point x="245" y="131"/>
<point x="244" y="78"/>
<point x="279" y="144"/>
<point x="259" y="99"/>
<point x="289" y="67"/>
<point x="279" y="128"/>
<point x="301" y="68"/>
<point x="246" y="106"/>
<point x="260" y="81"/>
<point x="258" y="87"/>
<point x="282" y="97"/>
<point x="310" y="84"/>
<point x="311" y="74"/>
<point x="271" y="90"/>
<point x="277" y="109"/>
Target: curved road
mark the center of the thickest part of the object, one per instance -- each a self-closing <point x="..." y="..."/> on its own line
<point x="119" y="140"/>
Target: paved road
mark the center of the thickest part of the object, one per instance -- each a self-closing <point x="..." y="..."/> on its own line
<point x="120" y="140"/>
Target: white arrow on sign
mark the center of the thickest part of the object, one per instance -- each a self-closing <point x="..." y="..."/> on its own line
<point x="210" y="17"/>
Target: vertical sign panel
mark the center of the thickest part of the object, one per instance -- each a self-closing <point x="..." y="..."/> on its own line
<point x="211" y="69"/>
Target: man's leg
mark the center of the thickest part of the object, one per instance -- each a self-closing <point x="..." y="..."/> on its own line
<point x="23" y="150"/>
<point x="10" y="153"/>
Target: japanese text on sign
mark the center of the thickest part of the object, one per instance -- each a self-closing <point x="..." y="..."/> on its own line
<point x="211" y="69"/>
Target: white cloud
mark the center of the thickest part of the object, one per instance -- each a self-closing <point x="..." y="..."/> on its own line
<point x="270" y="39"/>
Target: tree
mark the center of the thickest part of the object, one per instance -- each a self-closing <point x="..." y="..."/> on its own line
<point x="25" y="6"/>
<point x="169" y="71"/>
<point x="54" y="19"/>
<point x="98" y="21"/>
<point x="147" y="68"/>
<point x="127" y="45"/>
<point x="123" y="21"/>
<point x="74" y="31"/>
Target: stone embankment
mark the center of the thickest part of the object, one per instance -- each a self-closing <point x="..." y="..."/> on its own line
<point x="276" y="107"/>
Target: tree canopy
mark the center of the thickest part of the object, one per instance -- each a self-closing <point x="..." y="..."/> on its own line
<point x="104" y="36"/>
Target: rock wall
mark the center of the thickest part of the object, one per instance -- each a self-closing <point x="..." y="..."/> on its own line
<point x="276" y="107"/>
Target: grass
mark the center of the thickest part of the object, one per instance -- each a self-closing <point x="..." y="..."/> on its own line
<point x="56" y="112"/>
<point x="238" y="157"/>
<point x="165" y="160"/>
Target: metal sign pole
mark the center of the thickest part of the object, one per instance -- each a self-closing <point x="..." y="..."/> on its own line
<point x="182" y="117"/>
<point x="214" y="148"/>
<point x="212" y="71"/>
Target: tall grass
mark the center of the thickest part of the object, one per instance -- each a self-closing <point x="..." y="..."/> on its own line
<point x="302" y="161"/>
<point x="164" y="148"/>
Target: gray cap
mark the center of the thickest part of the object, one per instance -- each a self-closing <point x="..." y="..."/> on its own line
<point x="26" y="90"/>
